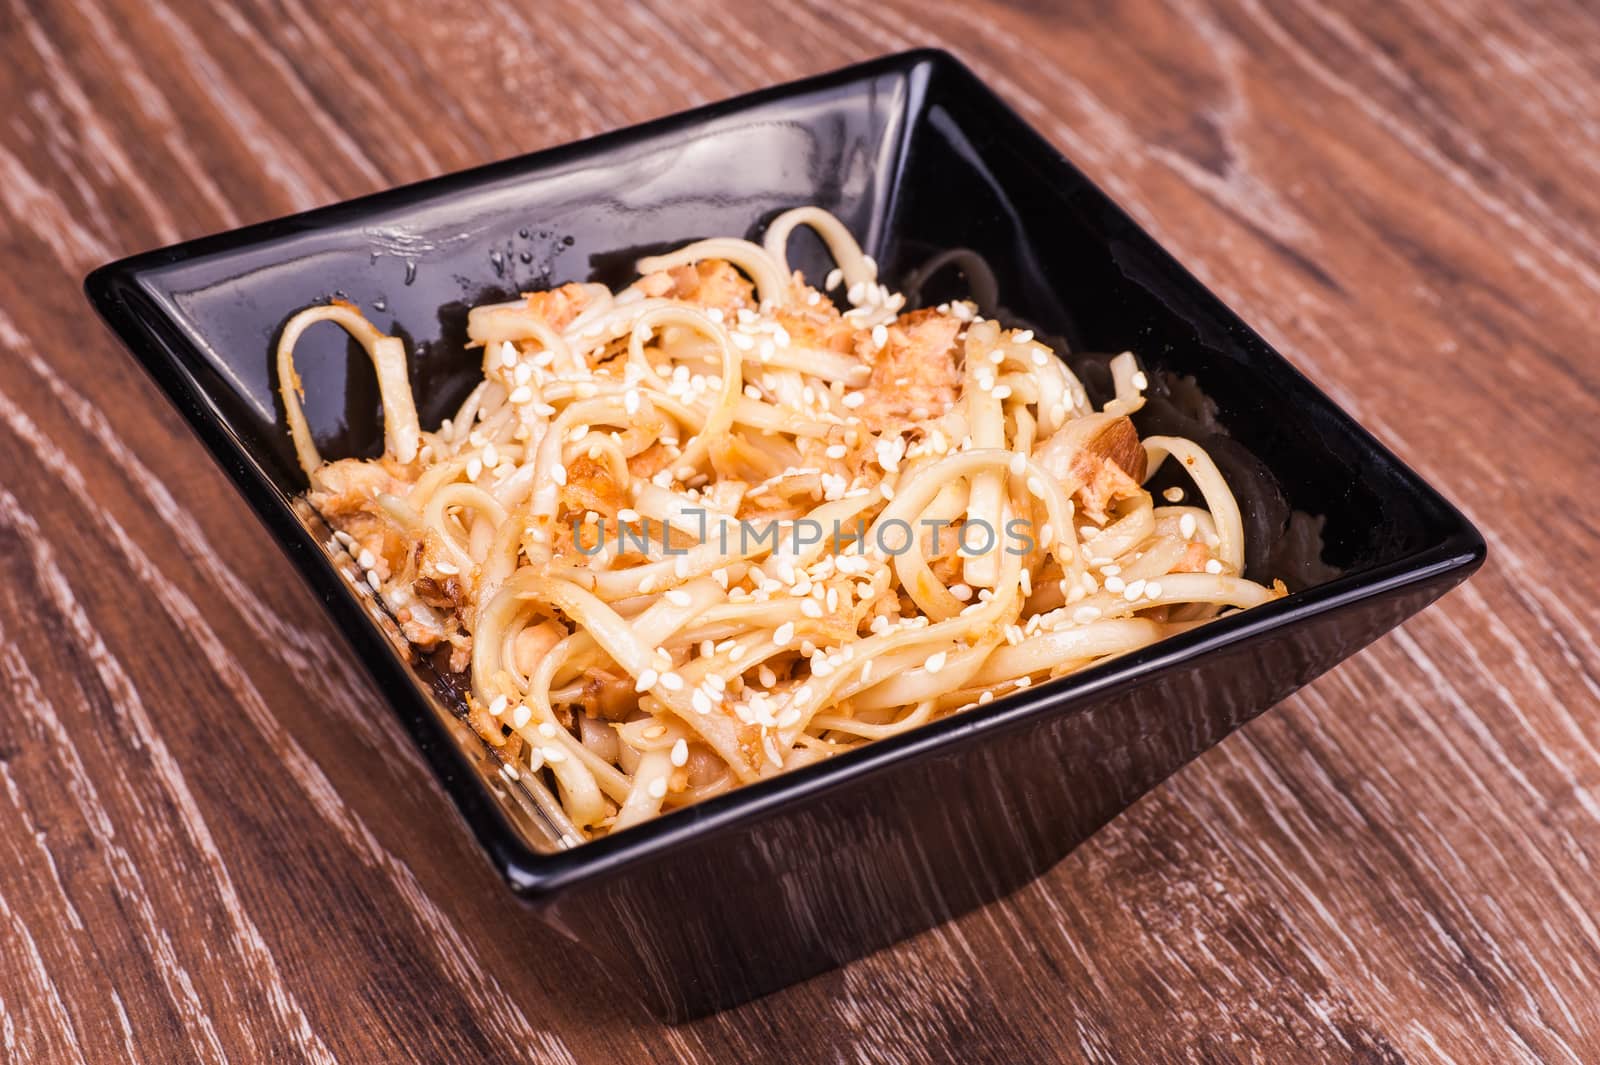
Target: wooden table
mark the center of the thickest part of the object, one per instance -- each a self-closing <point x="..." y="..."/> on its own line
<point x="215" y="844"/>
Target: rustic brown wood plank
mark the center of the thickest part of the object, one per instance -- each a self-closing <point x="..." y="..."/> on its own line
<point x="215" y="845"/>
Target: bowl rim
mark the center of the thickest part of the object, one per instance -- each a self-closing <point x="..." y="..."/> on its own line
<point x="160" y="345"/>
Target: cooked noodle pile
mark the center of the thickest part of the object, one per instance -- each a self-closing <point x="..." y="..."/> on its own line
<point x="709" y="528"/>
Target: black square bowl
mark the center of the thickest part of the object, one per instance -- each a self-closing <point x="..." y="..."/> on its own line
<point x="953" y="194"/>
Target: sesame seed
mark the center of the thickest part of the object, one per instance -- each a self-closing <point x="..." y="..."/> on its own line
<point x="680" y="753"/>
<point x="498" y="706"/>
<point x="679" y="597"/>
<point x="837" y="451"/>
<point x="520" y="395"/>
<point x="766" y="677"/>
<point x="657" y="788"/>
<point x="1085" y="614"/>
<point x="1002" y="391"/>
<point x="1187" y="526"/>
<point x="961" y="592"/>
<point x="1133" y="591"/>
<point x="508" y="354"/>
<point x="1115" y="584"/>
<point x="672" y="682"/>
<point x="553" y="755"/>
<point x="802" y="695"/>
<point x="647" y="680"/>
<point x="373" y="582"/>
<point x="449" y="569"/>
<point x="1213" y="566"/>
<point x="936" y="661"/>
<point x="701" y="701"/>
<point x="880" y="336"/>
<point x="548" y="730"/>
<point x="854" y="400"/>
<point x="833" y="280"/>
<point x="1018" y="463"/>
<point x="1152" y="590"/>
<point x="474" y="468"/>
<point x="784" y="633"/>
<point x="521" y="715"/>
<point x="1036" y="488"/>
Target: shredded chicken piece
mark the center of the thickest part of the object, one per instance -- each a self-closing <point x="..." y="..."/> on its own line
<point x="707" y="283"/>
<point x="1107" y="467"/>
<point x="558" y="306"/>
<point x="915" y="375"/>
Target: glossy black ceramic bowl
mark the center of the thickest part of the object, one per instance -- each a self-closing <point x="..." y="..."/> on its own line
<point x="953" y="194"/>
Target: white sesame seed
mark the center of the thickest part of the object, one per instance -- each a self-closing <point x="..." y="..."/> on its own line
<point x="802" y="695"/>
<point x="701" y="701"/>
<point x="1085" y="614"/>
<point x="1152" y="590"/>
<point x="936" y="661"/>
<point x="1213" y="566"/>
<point x="520" y="395"/>
<point x="680" y="753"/>
<point x="1115" y="584"/>
<point x="553" y="755"/>
<point x="474" y="468"/>
<point x="548" y="730"/>
<point x="1018" y="463"/>
<point x="672" y="682"/>
<point x="521" y="715"/>
<point x="837" y="451"/>
<point x="679" y="597"/>
<point x="647" y="680"/>
<point x="766" y="677"/>
<point x="657" y="788"/>
<point x="833" y="280"/>
<point x="880" y="336"/>
<point x="498" y="706"/>
<point x="854" y="400"/>
<point x="961" y="592"/>
<point x="784" y="633"/>
<point x="1187" y="526"/>
<point x="1133" y="591"/>
<point x="373" y="582"/>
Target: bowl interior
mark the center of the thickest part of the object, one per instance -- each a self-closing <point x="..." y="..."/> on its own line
<point x="942" y="183"/>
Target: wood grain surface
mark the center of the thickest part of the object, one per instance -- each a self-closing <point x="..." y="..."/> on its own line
<point x="215" y="844"/>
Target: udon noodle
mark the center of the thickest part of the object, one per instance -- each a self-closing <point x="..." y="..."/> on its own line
<point x="710" y="527"/>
